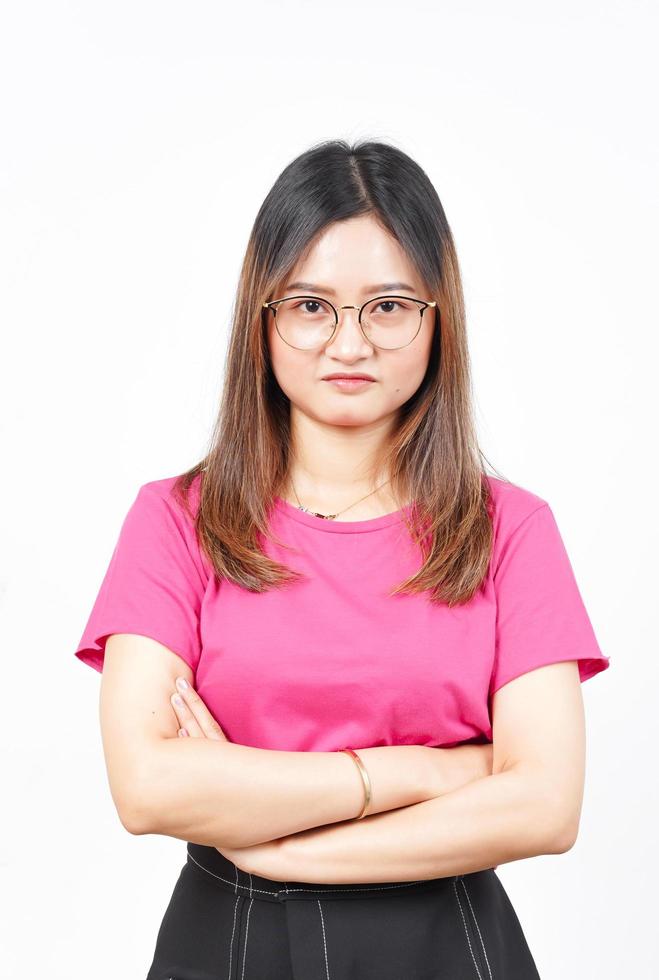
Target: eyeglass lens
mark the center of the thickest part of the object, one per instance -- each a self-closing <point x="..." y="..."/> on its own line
<point x="307" y="322"/>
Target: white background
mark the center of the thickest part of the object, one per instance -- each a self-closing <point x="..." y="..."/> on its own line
<point x="138" y="141"/>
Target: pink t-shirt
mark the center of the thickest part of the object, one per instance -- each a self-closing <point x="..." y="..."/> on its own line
<point x="333" y="661"/>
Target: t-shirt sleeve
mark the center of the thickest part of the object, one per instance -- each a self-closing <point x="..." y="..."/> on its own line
<point x="154" y="584"/>
<point x="541" y="617"/>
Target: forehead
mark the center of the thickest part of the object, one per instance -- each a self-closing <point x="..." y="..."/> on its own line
<point x="355" y="257"/>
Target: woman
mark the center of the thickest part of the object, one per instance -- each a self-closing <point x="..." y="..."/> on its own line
<point x="377" y="647"/>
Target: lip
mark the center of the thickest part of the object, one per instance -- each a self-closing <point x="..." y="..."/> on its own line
<point x="349" y="383"/>
<point x="341" y="375"/>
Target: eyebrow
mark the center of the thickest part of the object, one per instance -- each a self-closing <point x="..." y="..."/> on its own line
<point x="379" y="287"/>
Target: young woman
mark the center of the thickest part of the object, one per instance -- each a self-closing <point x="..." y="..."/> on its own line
<point x="376" y="646"/>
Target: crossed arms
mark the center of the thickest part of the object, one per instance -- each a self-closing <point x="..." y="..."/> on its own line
<point x="291" y="815"/>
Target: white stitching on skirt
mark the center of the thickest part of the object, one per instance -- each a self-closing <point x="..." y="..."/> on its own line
<point x="464" y="923"/>
<point x="322" y="923"/>
<point x="246" y="933"/>
<point x="235" y="906"/>
<point x="287" y="891"/>
<point x="489" y="970"/>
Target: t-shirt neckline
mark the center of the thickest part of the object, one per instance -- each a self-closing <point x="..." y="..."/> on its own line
<point x="338" y="526"/>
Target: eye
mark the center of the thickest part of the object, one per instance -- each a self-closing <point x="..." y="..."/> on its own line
<point x="388" y="303"/>
<point x="307" y="306"/>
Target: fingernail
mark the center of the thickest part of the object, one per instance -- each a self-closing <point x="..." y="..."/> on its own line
<point x="181" y="683"/>
<point x="182" y="732"/>
<point x="177" y="699"/>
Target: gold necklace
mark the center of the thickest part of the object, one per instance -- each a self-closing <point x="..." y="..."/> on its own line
<point x="331" y="517"/>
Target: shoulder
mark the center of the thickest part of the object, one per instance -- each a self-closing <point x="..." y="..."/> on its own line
<point x="165" y="514"/>
<point x="165" y="494"/>
<point x="511" y="507"/>
<point x="512" y="503"/>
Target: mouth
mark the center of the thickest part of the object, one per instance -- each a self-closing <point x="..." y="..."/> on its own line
<point x="350" y="382"/>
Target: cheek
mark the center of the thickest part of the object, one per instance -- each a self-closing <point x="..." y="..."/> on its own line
<point x="405" y="377"/>
<point x="290" y="376"/>
<point x="407" y="372"/>
<point x="291" y="368"/>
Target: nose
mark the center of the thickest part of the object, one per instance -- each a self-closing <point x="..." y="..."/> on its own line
<point x="351" y="339"/>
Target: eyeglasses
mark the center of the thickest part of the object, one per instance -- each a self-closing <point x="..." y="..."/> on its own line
<point x="387" y="322"/>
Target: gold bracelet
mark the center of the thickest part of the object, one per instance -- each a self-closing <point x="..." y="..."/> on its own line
<point x="365" y="779"/>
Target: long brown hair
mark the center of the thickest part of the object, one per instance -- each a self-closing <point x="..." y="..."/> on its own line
<point x="432" y="456"/>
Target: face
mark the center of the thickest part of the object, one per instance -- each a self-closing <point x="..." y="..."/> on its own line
<point x="344" y="265"/>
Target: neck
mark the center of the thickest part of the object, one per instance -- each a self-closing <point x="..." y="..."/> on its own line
<point x="336" y="461"/>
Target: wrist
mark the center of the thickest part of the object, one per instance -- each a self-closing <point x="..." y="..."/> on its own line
<point x="400" y="775"/>
<point x="366" y="806"/>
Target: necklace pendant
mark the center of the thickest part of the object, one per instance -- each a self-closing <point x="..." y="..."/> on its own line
<point x="331" y="517"/>
<point x="314" y="513"/>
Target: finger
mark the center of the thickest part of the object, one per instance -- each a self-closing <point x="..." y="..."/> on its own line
<point x="185" y="718"/>
<point x="199" y="711"/>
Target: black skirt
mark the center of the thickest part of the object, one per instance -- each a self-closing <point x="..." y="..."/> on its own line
<point x="222" y="923"/>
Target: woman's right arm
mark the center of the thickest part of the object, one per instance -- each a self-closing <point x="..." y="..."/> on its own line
<point x="214" y="792"/>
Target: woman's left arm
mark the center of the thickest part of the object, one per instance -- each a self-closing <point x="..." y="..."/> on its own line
<point x="530" y="805"/>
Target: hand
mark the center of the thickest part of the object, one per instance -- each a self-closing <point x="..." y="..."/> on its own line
<point x="266" y="859"/>
<point x="196" y="721"/>
<point x="193" y="717"/>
